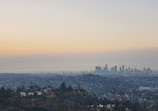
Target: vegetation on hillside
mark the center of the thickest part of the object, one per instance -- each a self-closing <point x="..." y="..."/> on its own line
<point x="64" y="98"/>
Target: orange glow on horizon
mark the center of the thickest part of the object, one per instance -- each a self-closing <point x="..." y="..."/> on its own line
<point x="31" y="28"/>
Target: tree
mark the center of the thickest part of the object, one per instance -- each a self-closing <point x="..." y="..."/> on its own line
<point x="69" y="88"/>
<point x="63" y="86"/>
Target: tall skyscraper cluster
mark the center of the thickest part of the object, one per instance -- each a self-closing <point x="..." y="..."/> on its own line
<point x="120" y="70"/>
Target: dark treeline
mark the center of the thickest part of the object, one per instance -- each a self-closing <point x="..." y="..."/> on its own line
<point x="63" y="98"/>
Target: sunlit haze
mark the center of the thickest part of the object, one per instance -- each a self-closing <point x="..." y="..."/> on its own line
<point x="76" y="35"/>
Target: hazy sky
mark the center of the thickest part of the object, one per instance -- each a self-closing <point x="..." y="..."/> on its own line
<point x="70" y="32"/>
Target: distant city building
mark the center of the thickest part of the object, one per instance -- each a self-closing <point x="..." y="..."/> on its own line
<point x="129" y="69"/>
<point x="115" y="69"/>
<point x="122" y="70"/>
<point x="147" y="71"/>
<point x="98" y="69"/>
<point x="112" y="69"/>
<point x="105" y="69"/>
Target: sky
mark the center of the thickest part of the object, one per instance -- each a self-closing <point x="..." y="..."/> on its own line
<point x="71" y="35"/>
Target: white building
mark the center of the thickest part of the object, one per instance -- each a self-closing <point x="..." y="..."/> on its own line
<point x="23" y="94"/>
<point x="39" y="93"/>
<point x="45" y="90"/>
<point x="92" y="106"/>
<point x="31" y="93"/>
<point x="100" y="106"/>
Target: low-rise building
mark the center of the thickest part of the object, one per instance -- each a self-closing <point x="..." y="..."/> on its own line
<point x="23" y="94"/>
<point x="39" y="93"/>
<point x="100" y="106"/>
<point x="31" y="93"/>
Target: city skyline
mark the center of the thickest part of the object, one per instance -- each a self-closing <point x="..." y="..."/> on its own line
<point x="78" y="63"/>
<point x="121" y="70"/>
